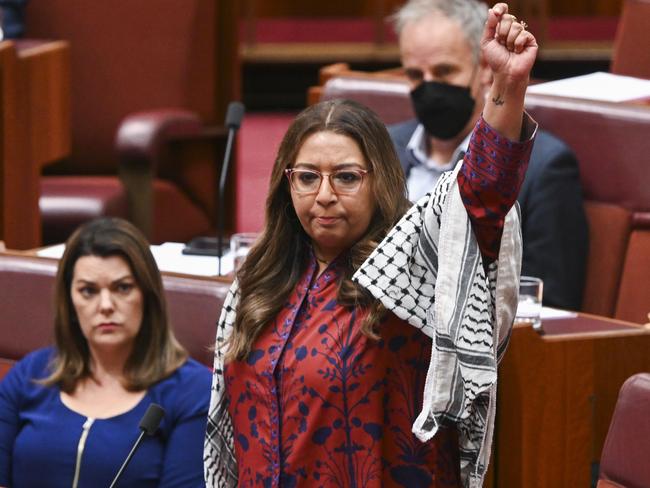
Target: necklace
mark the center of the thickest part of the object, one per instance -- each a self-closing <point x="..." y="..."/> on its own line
<point x="321" y="260"/>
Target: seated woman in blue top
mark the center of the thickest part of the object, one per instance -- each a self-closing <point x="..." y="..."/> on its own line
<point x="69" y="414"/>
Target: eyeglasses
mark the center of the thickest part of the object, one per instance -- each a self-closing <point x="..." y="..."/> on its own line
<point x="343" y="181"/>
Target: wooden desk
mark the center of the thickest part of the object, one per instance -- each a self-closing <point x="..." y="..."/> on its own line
<point x="557" y="393"/>
<point x="34" y="131"/>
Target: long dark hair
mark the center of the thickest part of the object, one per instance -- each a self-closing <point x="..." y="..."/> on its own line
<point x="277" y="261"/>
<point x="156" y="352"/>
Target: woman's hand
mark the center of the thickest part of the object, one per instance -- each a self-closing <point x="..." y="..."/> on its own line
<point x="510" y="50"/>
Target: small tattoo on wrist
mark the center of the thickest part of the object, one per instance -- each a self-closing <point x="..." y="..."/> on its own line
<point x="498" y="100"/>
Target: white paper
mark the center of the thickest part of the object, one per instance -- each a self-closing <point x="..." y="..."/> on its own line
<point x="169" y="257"/>
<point x="55" y="251"/>
<point x="549" y="313"/>
<point x="596" y="86"/>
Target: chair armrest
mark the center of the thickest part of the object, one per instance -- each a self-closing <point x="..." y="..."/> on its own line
<point x="142" y="137"/>
<point x="143" y="146"/>
<point x="641" y="220"/>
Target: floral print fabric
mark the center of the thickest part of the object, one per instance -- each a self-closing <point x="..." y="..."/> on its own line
<point x="317" y="403"/>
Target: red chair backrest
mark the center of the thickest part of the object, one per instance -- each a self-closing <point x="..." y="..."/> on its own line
<point x="624" y="460"/>
<point x="631" y="54"/>
<point x="5" y="366"/>
<point x="129" y="56"/>
<point x="27" y="313"/>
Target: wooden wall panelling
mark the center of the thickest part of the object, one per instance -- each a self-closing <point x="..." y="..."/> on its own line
<point x="317" y="8"/>
<point x="19" y="216"/>
<point x="228" y="77"/>
<point x="375" y="10"/>
<point x="35" y="118"/>
<point x="585" y="7"/>
<point x="45" y="70"/>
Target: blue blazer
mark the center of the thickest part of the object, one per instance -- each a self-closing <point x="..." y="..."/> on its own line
<point x="554" y="225"/>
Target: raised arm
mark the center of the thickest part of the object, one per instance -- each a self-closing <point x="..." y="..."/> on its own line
<point x="510" y="51"/>
<point x="500" y="146"/>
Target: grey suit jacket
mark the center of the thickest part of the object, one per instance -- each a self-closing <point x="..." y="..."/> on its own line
<point x="554" y="225"/>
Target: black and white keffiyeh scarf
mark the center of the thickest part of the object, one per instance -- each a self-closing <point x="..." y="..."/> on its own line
<point x="429" y="272"/>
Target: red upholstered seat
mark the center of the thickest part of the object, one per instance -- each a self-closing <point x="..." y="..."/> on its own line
<point x="67" y="201"/>
<point x="389" y="98"/>
<point x="633" y="302"/>
<point x="173" y="63"/>
<point x="631" y="54"/>
<point x="194" y="307"/>
<point x="611" y="142"/>
<point x="624" y="460"/>
<point x="26" y="307"/>
<point x="609" y="231"/>
<point x="27" y="312"/>
<point x="5" y="366"/>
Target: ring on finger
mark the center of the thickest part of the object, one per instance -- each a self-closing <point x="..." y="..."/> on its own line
<point x="524" y="25"/>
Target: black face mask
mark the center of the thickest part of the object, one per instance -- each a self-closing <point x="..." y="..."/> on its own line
<point x="442" y="109"/>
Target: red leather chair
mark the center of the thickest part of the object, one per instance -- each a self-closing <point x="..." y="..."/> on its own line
<point x="5" y="366"/>
<point x="171" y="63"/>
<point x="385" y="92"/>
<point x="624" y="461"/>
<point x="633" y="302"/>
<point x="631" y="55"/>
<point x="611" y="143"/>
<point x="26" y="308"/>
<point x="26" y="322"/>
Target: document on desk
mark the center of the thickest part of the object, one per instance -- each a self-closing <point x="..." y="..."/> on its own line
<point x="169" y="257"/>
<point x="55" y="252"/>
<point x="606" y="87"/>
<point x="549" y="313"/>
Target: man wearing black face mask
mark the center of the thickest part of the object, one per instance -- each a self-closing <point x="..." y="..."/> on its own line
<point x="439" y="48"/>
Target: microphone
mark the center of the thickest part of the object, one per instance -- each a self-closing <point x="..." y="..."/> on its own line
<point x="148" y="424"/>
<point x="234" y="116"/>
<point x="207" y="246"/>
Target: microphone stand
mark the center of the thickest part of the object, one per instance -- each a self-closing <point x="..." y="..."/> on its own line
<point x="221" y="195"/>
<point x="209" y="246"/>
<point x="149" y="423"/>
<point x="128" y="459"/>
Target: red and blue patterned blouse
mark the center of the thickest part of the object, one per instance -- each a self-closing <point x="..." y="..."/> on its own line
<point x="317" y="403"/>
